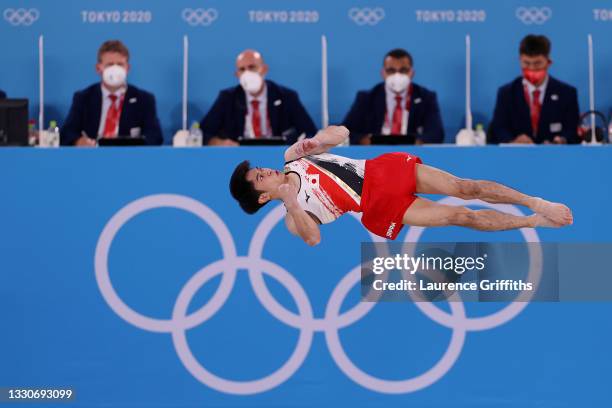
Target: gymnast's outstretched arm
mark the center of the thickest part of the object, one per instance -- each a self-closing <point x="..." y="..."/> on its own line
<point x="323" y="141"/>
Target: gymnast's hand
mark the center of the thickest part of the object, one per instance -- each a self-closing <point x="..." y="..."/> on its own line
<point x="288" y="193"/>
<point x="307" y="147"/>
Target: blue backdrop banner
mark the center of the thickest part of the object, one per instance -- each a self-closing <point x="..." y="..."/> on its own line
<point x="288" y="35"/>
<point x="133" y="277"/>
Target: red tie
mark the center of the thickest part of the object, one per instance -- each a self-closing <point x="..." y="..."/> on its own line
<point x="112" y="117"/>
<point x="256" y="118"/>
<point x="396" y="127"/>
<point x="536" y="108"/>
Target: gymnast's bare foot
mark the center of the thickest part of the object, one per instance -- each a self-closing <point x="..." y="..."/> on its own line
<point x="557" y="213"/>
<point x="542" y="221"/>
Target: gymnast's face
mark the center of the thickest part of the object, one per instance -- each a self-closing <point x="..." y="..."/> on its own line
<point x="266" y="181"/>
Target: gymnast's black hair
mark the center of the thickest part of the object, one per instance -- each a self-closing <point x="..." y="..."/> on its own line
<point x="243" y="190"/>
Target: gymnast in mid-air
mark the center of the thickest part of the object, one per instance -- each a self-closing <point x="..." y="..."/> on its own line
<point x="317" y="187"/>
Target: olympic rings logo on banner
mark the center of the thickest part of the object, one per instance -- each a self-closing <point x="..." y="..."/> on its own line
<point x="21" y="16"/>
<point x="533" y="15"/>
<point x="366" y="15"/>
<point x="304" y="320"/>
<point x="200" y="16"/>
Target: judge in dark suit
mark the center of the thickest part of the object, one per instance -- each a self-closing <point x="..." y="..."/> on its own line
<point x="396" y="106"/>
<point x="257" y="108"/>
<point x="535" y="108"/>
<point x="111" y="108"/>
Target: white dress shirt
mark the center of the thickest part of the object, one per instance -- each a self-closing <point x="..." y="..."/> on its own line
<point x="263" y="114"/>
<point x="531" y="87"/>
<point x="106" y="103"/>
<point x="388" y="123"/>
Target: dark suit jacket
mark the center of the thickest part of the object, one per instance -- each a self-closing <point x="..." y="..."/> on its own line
<point x="287" y="114"/>
<point x="138" y="111"/>
<point x="559" y="115"/>
<point x="2" y="94"/>
<point x="367" y="115"/>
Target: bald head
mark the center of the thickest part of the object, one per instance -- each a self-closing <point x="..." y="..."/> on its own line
<point x="249" y="55"/>
<point x="250" y="60"/>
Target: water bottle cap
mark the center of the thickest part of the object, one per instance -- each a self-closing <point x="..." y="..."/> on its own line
<point x="479" y="126"/>
<point x="53" y="123"/>
<point x="195" y="125"/>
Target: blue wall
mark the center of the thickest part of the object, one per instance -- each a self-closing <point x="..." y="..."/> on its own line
<point x="59" y="330"/>
<point x="293" y="49"/>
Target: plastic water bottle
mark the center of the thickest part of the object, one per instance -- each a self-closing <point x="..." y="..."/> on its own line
<point x="480" y="137"/>
<point x="610" y="129"/>
<point x="195" y="135"/>
<point x="32" y="133"/>
<point x="53" y="135"/>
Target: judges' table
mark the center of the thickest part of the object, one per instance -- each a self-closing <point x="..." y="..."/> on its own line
<point x="103" y="250"/>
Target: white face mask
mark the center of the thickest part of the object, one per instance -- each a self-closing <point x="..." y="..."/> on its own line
<point x="251" y="82"/>
<point x="397" y="82"/>
<point x="114" y="75"/>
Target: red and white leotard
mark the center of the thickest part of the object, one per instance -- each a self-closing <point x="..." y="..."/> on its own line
<point x="330" y="185"/>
